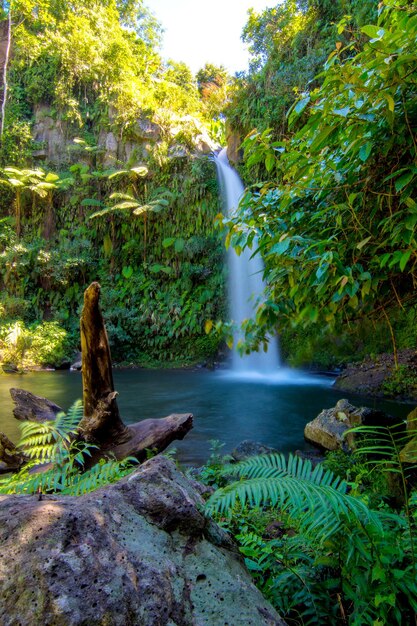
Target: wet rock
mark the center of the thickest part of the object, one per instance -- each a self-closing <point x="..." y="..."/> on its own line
<point x="77" y="364"/>
<point x="328" y="429"/>
<point x="315" y="456"/>
<point x="234" y="141"/>
<point x="247" y="448"/>
<point x="51" y="134"/>
<point x="139" y="552"/>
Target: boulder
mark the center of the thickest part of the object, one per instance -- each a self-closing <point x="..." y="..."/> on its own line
<point x="247" y="449"/>
<point x="328" y="429"/>
<point x="138" y="552"/>
<point x="379" y="377"/>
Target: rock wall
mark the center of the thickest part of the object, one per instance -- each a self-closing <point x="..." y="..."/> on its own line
<point x="139" y="552"/>
<point x="184" y="136"/>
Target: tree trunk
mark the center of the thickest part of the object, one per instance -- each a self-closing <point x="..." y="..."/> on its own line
<point x="5" y="67"/>
<point x="102" y="424"/>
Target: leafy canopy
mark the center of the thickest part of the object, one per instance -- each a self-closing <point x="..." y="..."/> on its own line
<point x="335" y="222"/>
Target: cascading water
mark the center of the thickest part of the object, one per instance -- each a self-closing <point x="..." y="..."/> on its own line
<point x="245" y="279"/>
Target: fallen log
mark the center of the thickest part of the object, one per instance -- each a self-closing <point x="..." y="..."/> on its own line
<point x="102" y="424"/>
<point x="31" y="407"/>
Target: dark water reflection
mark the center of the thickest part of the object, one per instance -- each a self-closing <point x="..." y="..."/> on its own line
<point x="273" y="412"/>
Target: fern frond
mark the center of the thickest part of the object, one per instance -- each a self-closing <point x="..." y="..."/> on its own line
<point x="66" y="424"/>
<point x="100" y="475"/>
<point x="383" y="446"/>
<point x="275" y="465"/>
<point x="316" y="498"/>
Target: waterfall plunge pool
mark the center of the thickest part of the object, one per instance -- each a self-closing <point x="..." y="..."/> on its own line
<point x="227" y="407"/>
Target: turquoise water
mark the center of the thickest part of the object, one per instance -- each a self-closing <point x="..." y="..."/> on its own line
<point x="231" y="409"/>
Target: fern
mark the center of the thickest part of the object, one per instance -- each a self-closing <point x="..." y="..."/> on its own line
<point x="315" y="496"/>
<point x="53" y="443"/>
<point x="347" y="559"/>
<point x="383" y="446"/>
<point x="101" y="474"/>
<point x="43" y="441"/>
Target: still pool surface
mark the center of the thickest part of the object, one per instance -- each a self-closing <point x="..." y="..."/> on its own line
<point x="227" y="408"/>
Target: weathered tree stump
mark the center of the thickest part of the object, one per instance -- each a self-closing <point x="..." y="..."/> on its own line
<point x="101" y="424"/>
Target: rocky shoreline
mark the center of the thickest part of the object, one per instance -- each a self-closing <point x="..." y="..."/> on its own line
<point x="378" y="377"/>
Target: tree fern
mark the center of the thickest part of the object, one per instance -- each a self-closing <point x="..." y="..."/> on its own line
<point x="315" y="496"/>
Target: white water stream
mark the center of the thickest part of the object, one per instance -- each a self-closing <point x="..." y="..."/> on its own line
<point x="245" y="281"/>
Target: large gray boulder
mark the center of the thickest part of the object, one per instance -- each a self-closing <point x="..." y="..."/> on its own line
<point x="139" y="552"/>
<point x="328" y="429"/>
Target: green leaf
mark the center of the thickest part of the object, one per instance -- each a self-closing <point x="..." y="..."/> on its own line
<point x="269" y="162"/>
<point x="410" y="221"/>
<point x="179" y="245"/>
<point x="404" y="259"/>
<point x="365" y="151"/>
<point x="390" y="100"/>
<point x="344" y="112"/>
<point x="301" y="104"/>
<point x="403" y="180"/>
<point x="374" y="32"/>
<point x="91" y="202"/>
<point x="281" y="246"/>
<point x="320" y="139"/>
<point x="363" y="243"/>
<point x="127" y="272"/>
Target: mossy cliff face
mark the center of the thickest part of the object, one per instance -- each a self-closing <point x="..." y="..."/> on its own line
<point x="138" y="552"/>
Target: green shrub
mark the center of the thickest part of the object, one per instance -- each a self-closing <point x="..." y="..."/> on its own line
<point x="44" y="344"/>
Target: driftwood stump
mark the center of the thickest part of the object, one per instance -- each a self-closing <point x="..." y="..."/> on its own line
<point x="101" y="424"/>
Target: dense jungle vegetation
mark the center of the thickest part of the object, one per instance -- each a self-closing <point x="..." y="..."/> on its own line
<point x="328" y="116"/>
<point x="103" y="179"/>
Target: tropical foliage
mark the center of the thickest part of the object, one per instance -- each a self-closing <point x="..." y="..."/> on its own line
<point x="52" y="444"/>
<point x="335" y="214"/>
<point x="137" y="216"/>
<point x="314" y="544"/>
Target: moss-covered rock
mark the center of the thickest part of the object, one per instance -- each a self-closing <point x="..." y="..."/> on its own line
<point x="139" y="552"/>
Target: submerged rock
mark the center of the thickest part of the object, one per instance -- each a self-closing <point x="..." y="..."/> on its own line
<point x="247" y="449"/>
<point x="136" y="553"/>
<point x="328" y="429"/>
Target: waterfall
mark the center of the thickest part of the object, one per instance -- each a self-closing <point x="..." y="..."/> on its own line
<point x="245" y="280"/>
